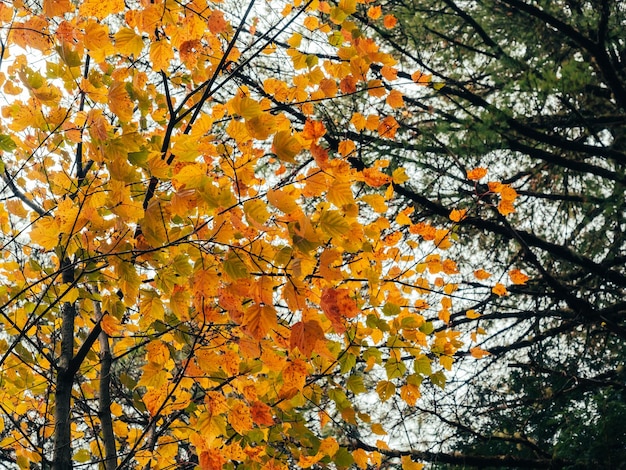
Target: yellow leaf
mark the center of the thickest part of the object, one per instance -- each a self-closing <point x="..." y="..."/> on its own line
<point x="119" y="101"/>
<point x="472" y="314"/>
<point x="286" y="146"/>
<point x="128" y="42"/>
<point x="45" y="233"/>
<point x="394" y="99"/>
<point x="378" y="429"/>
<point x="375" y="201"/>
<point x="256" y="210"/>
<point x="446" y="362"/>
<point x="161" y="54"/>
<point x="385" y="389"/>
<point x="408" y="464"/>
<point x="239" y="417"/>
<point x="333" y="223"/>
<point x="340" y="193"/>
<point x="71" y="295"/>
<point x="399" y="176"/>
<point x="360" y="458"/>
<point x="96" y="36"/>
<point x="481" y="274"/>
<point x="295" y="40"/>
<point x="52" y="8"/>
<point x="346" y="147"/>
<point x="262" y="126"/>
<point x="190" y="176"/>
<point x="157" y="352"/>
<point x="150" y="308"/>
<point x="100" y="9"/>
<point x="329" y="446"/>
<point x="283" y="200"/>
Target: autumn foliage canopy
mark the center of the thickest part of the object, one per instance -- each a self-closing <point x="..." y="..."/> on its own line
<point x="195" y="274"/>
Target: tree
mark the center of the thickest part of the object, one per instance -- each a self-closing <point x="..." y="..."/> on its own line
<point x="196" y="271"/>
<point x="534" y="91"/>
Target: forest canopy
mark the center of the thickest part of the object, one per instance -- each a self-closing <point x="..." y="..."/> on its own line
<point x="311" y="235"/>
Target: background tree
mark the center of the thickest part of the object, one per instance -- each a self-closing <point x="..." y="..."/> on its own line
<point x="535" y="92"/>
<point x="196" y="271"/>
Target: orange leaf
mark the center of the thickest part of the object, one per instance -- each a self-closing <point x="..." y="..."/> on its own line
<point x="261" y="414"/>
<point x="499" y="290"/>
<point x="479" y="353"/>
<point x="110" y="325"/>
<point x="421" y="78"/>
<point x="304" y="335"/>
<point x="518" y="277"/>
<point x="338" y="305"/>
<point x="457" y="215"/>
<point x="258" y="320"/>
<point x="476" y="174"/>
<point x="481" y="274"/>
<point x="394" y="99"/>
<point x="389" y="21"/>
<point x="375" y="178"/>
<point x="375" y="12"/>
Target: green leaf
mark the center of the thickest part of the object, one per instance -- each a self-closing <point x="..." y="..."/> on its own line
<point x="422" y="365"/>
<point x="439" y="379"/>
<point x="343" y="458"/>
<point x="427" y="328"/>
<point x="235" y="267"/>
<point x="391" y="310"/>
<point x="7" y="143"/>
<point x="347" y="362"/>
<point x="394" y="369"/>
<point x="355" y="384"/>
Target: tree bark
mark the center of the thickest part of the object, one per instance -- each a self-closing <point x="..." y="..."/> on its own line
<point x="62" y="457"/>
<point x="104" y="401"/>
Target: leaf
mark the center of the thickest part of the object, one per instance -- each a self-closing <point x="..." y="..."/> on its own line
<point x="499" y="290"/>
<point x="234" y="266"/>
<point x="261" y="414"/>
<point x="333" y="223"/>
<point x="111" y="325"/>
<point x="518" y="277"/>
<point x="476" y="174"/>
<point x="385" y="389"/>
<point x="457" y="215"/>
<point x="286" y="146"/>
<point x="378" y="429"/>
<point x="481" y="274"/>
<point x="304" y="336"/>
<point x="337" y="305"/>
<point x="128" y="42"/>
<point x="259" y="320"/>
<point x="479" y="353"/>
<point x="161" y="54"/>
<point x="239" y="417"/>
<point x="408" y="464"/>
<point x="7" y="143"/>
<point x="100" y="9"/>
